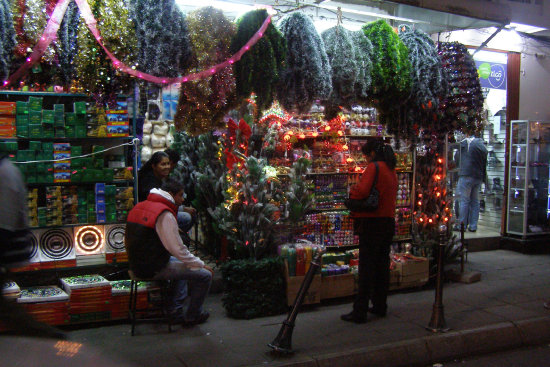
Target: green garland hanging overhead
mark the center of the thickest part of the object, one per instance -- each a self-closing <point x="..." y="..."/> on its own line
<point x="95" y="71"/>
<point x="7" y="38"/>
<point x="363" y="57"/>
<point x="391" y="79"/>
<point x="259" y="70"/>
<point x="341" y="52"/>
<point x="203" y="103"/>
<point x="162" y="37"/>
<point x="66" y="44"/>
<point x="428" y="80"/>
<point x="307" y="76"/>
<point x="462" y="109"/>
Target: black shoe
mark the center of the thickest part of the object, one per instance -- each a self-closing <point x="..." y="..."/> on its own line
<point x="353" y="317"/>
<point x="377" y="312"/>
<point x="176" y="317"/>
<point x="471" y="230"/>
<point x="199" y="320"/>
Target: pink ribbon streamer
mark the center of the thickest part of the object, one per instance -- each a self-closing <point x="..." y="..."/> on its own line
<point x="50" y="34"/>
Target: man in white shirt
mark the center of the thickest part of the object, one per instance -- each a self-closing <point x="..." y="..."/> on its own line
<point x="156" y="251"/>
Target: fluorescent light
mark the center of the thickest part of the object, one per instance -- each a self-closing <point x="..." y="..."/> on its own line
<point x="367" y="13"/>
<point x="490" y="56"/>
<point x="525" y="28"/>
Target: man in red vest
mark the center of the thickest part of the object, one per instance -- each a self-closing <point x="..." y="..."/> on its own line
<point x="156" y="251"/>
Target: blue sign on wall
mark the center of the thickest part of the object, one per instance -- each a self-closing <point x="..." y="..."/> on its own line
<point x="491" y="74"/>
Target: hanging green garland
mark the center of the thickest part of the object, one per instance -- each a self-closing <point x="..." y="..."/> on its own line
<point x="363" y="58"/>
<point x="95" y="71"/>
<point x="428" y="81"/>
<point x="203" y="103"/>
<point x="162" y="37"/>
<point x="7" y="38"/>
<point x="307" y="76"/>
<point x="259" y="69"/>
<point x="391" y="79"/>
<point x="341" y="52"/>
<point x="66" y="44"/>
<point x="462" y="109"/>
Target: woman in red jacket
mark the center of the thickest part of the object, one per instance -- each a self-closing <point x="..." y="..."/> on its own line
<point x="375" y="230"/>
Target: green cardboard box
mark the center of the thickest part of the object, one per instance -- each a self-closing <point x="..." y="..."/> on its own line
<point x="82" y="218"/>
<point x="108" y="174"/>
<point x="59" y="108"/>
<point x="47" y="146"/>
<point x="35" y="131"/>
<point x="70" y="118"/>
<point x="81" y="120"/>
<point x="80" y="131"/>
<point x="22" y="107"/>
<point x="22" y="120"/>
<point x="59" y="121"/>
<point x="22" y="131"/>
<point x="59" y="132"/>
<point x="70" y="132"/>
<point x="35" y="145"/>
<point x="35" y="103"/>
<point x="76" y="150"/>
<point x="79" y="108"/>
<point x="31" y="179"/>
<point x="35" y="117"/>
<point x="48" y="132"/>
<point x="24" y="155"/>
<point x="48" y="117"/>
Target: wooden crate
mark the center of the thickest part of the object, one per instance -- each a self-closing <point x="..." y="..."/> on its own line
<point x="413" y="273"/>
<point x="335" y="286"/>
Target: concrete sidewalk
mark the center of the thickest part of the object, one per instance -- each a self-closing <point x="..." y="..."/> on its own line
<point x="503" y="311"/>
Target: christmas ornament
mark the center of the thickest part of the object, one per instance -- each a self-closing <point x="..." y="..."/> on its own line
<point x="259" y="69"/>
<point x="391" y="79"/>
<point x="462" y="108"/>
<point x="95" y="72"/>
<point x="428" y="83"/>
<point x="7" y="39"/>
<point x="162" y="37"/>
<point x="203" y="103"/>
<point x="307" y="75"/>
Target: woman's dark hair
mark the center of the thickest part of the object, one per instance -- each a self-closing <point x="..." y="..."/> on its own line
<point x="172" y="186"/>
<point x="155" y="159"/>
<point x="173" y="155"/>
<point x="382" y="152"/>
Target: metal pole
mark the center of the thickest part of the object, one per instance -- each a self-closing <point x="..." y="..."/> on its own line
<point x="283" y="342"/>
<point x="462" y="248"/>
<point x="437" y="321"/>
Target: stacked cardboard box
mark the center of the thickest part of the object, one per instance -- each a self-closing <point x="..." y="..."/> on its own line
<point x="121" y="298"/>
<point x="48" y="304"/>
<point x="7" y="119"/>
<point x="90" y="297"/>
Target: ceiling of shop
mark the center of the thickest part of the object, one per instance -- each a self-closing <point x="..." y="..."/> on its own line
<point x="354" y="13"/>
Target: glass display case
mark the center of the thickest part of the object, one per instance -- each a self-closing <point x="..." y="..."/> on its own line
<point x="528" y="185"/>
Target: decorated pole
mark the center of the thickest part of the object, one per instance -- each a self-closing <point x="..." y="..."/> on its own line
<point x="437" y="322"/>
<point x="283" y="342"/>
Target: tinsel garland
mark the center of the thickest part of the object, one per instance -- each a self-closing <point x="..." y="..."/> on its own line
<point x="162" y="37"/>
<point x="18" y="10"/>
<point x="35" y="18"/>
<point x="7" y="38"/>
<point x="363" y="56"/>
<point x="428" y="82"/>
<point x="391" y="79"/>
<point x="259" y="69"/>
<point x="66" y="44"/>
<point x="462" y="109"/>
<point x="95" y="71"/>
<point x="307" y="76"/>
<point x="341" y="52"/>
<point x="203" y="103"/>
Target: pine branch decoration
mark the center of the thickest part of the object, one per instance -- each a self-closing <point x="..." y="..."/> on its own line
<point x="307" y="76"/>
<point x="259" y="70"/>
<point x="67" y="46"/>
<point x="7" y="38"/>
<point x="363" y="57"/>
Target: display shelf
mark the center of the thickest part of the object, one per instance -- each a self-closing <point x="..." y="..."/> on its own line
<point x="369" y="136"/>
<point x="398" y="238"/>
<point x="78" y="225"/>
<point x="88" y="138"/>
<point x="49" y="94"/>
<point x="115" y="182"/>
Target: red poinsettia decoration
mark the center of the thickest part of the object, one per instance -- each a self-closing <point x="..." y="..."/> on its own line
<point x="237" y="150"/>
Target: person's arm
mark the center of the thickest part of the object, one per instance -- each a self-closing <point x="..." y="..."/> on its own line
<point x="362" y="189"/>
<point x="167" y="230"/>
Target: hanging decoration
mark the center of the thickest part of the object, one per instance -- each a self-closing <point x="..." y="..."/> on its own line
<point x="259" y="70"/>
<point x="18" y="10"/>
<point x="95" y="72"/>
<point x="67" y="46"/>
<point x="203" y="103"/>
<point x="363" y="58"/>
<point x="428" y="82"/>
<point x="341" y="52"/>
<point x="307" y="76"/>
<point x="7" y="38"/>
<point x="462" y="109"/>
<point x="162" y="37"/>
<point x="391" y="79"/>
<point x="36" y="16"/>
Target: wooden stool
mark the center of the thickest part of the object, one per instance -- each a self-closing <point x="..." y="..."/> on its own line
<point x="133" y="311"/>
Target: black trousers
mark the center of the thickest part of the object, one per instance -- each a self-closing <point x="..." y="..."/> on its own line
<point x="375" y="238"/>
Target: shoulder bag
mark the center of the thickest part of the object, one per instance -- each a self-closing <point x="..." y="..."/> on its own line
<point x="368" y="204"/>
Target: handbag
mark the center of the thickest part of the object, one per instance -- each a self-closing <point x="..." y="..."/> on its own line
<point x="368" y="204"/>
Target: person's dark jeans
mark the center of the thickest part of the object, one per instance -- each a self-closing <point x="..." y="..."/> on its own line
<point x="375" y="238"/>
